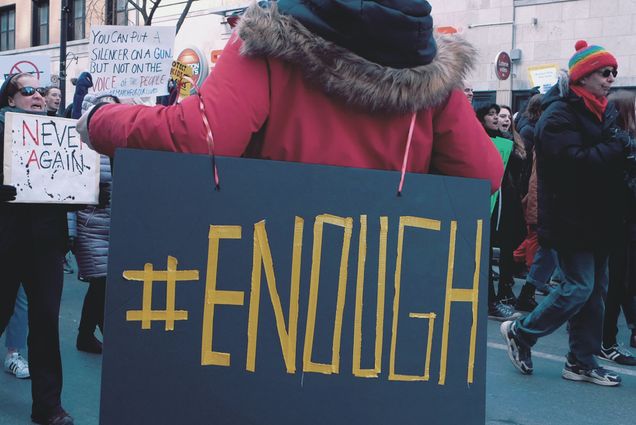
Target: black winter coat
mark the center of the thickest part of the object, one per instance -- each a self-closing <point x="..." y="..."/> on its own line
<point x="580" y="169"/>
<point x="41" y="225"/>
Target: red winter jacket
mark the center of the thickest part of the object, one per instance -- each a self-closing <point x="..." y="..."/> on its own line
<point x="280" y="92"/>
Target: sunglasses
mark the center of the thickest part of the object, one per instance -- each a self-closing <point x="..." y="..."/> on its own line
<point x="606" y="73"/>
<point x="28" y="91"/>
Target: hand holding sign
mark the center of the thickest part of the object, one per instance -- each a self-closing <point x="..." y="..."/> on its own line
<point x="7" y="193"/>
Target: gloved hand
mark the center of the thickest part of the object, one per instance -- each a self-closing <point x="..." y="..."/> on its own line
<point x="622" y="137"/>
<point x="82" y="127"/>
<point x="84" y="82"/>
<point x="7" y="193"/>
<point x="104" y="195"/>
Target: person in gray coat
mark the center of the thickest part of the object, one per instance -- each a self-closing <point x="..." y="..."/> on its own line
<point x="91" y="251"/>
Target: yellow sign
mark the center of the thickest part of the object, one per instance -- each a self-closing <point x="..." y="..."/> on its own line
<point x="177" y="72"/>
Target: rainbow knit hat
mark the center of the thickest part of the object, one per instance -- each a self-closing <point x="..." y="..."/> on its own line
<point x="588" y="59"/>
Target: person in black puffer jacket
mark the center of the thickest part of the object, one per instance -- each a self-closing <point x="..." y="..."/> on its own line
<point x="581" y="157"/>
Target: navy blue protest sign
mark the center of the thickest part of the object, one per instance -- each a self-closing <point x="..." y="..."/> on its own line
<point x="297" y="294"/>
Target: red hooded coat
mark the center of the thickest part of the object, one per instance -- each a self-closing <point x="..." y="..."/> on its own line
<point x="281" y="92"/>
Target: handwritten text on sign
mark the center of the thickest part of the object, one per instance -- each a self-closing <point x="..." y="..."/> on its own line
<point x="131" y="61"/>
<point x="46" y="161"/>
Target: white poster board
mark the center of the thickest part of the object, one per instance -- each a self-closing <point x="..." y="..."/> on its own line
<point x="38" y="65"/>
<point x="543" y="76"/>
<point x="130" y="61"/>
<point x="46" y="161"/>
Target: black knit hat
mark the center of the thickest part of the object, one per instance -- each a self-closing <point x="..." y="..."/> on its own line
<point x="395" y="33"/>
<point x="4" y="91"/>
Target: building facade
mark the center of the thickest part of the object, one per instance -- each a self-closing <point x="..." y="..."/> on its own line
<point x="535" y="33"/>
<point x="541" y="33"/>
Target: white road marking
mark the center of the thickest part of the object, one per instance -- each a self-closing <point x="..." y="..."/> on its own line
<point x="561" y="359"/>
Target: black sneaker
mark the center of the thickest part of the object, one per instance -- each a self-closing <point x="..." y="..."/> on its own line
<point x="597" y="375"/>
<point x="526" y="304"/>
<point x="519" y="353"/>
<point x="502" y="312"/>
<point x="60" y="417"/>
<point x="88" y="344"/>
<point x="618" y="355"/>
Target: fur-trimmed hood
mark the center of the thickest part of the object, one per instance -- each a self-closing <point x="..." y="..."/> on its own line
<point x="340" y="73"/>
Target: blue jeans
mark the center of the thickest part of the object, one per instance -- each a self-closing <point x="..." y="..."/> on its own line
<point x="579" y="300"/>
<point x="17" y="328"/>
<point x="543" y="266"/>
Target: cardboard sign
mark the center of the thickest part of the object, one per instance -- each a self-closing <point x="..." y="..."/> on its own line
<point x="46" y="161"/>
<point x="296" y="294"/>
<point x="177" y="72"/>
<point x="128" y="61"/>
<point x="37" y="65"/>
<point x="504" y="146"/>
<point x="543" y="76"/>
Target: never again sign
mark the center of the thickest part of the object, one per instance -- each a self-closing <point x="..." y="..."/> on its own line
<point x="47" y="162"/>
<point x="296" y="294"/>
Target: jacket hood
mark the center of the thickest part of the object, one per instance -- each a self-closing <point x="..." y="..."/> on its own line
<point x="396" y="33"/>
<point x="558" y="92"/>
<point x="349" y="77"/>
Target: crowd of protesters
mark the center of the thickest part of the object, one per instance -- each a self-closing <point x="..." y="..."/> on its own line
<point x="564" y="212"/>
<point x="564" y="218"/>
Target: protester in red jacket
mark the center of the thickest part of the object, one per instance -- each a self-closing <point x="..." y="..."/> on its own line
<point x="294" y="86"/>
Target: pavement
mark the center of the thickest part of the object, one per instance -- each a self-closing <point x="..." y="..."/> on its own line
<point x="543" y="398"/>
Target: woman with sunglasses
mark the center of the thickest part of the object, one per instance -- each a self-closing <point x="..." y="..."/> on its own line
<point x="33" y="241"/>
<point x="581" y="157"/>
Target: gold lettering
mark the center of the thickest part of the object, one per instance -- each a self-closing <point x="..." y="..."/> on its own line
<point x="379" y="321"/>
<point x="263" y="254"/>
<point x="422" y="223"/>
<point x="214" y="296"/>
<point x="308" y="364"/>
<point x="461" y="295"/>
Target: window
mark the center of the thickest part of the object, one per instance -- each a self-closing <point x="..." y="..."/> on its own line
<point x="117" y="12"/>
<point x="40" y="34"/>
<point x="7" y="28"/>
<point x="77" y="20"/>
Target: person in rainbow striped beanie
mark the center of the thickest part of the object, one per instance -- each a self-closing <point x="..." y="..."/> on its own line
<point x="592" y="72"/>
<point x="588" y="59"/>
<point x="580" y="158"/>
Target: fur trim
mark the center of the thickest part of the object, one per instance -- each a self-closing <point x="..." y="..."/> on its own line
<point x="342" y="74"/>
<point x="564" y="83"/>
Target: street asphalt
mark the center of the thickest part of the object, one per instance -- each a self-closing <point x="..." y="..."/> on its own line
<point x="512" y="399"/>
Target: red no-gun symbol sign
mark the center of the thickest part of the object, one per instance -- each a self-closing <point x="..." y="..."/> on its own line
<point x="25" y="66"/>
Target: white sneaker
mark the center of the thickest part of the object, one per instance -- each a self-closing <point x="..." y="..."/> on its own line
<point x="14" y="363"/>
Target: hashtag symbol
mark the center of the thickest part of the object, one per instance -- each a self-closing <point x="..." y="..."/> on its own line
<point x="148" y="276"/>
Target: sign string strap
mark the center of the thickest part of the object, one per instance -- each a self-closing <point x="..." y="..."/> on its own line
<point x="208" y="130"/>
<point x="406" y="153"/>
